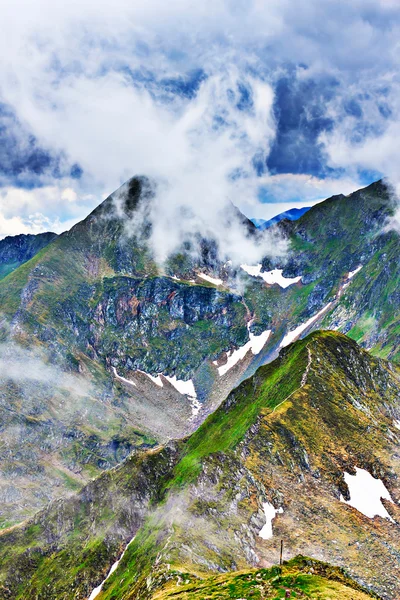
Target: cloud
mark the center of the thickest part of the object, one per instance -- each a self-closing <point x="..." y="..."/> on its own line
<point x="210" y="167"/>
<point x="36" y="210"/>
<point x="112" y="88"/>
<point x="42" y="386"/>
<point x="287" y="190"/>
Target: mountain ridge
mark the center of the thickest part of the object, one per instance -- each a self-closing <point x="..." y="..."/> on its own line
<point x="17" y="249"/>
<point x="95" y="304"/>
<point x="289" y="433"/>
<point x="292" y="214"/>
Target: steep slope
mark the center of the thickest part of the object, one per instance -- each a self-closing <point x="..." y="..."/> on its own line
<point x="157" y="349"/>
<point x="354" y="231"/>
<point x="18" y="249"/>
<point x="347" y="257"/>
<point x="277" y="460"/>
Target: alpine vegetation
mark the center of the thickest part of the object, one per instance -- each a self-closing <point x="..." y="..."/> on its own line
<point x="199" y="300"/>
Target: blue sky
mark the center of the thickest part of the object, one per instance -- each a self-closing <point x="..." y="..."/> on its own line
<point x="270" y="105"/>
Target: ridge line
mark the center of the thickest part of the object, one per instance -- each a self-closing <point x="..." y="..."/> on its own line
<point x="302" y="382"/>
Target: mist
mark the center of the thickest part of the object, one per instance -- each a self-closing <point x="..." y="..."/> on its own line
<point x="207" y="164"/>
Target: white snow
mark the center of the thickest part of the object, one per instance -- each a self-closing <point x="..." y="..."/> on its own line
<point x="253" y="271"/>
<point x="157" y="380"/>
<point x="258" y="341"/>
<point x="270" y="277"/>
<point x="122" y="378"/>
<point x="352" y="273"/>
<point x="187" y="389"/>
<point x="366" y="493"/>
<point x="210" y="279"/>
<point x="293" y="335"/>
<point x="255" y="344"/>
<point x="184" y="387"/>
<point x="396" y="423"/>
<point x="270" y="514"/>
<point x="97" y="590"/>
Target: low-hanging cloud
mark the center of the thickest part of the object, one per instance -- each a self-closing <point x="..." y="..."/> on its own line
<point x="370" y="143"/>
<point x="210" y="169"/>
<point x="23" y="366"/>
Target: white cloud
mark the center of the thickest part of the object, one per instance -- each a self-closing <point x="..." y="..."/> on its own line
<point x="66" y="71"/>
<point x="285" y="191"/>
<point x="37" y="210"/>
<point x="194" y="168"/>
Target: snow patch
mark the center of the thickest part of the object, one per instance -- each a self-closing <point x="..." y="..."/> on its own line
<point x="175" y="278"/>
<point x="210" y="279"/>
<point x="270" y="277"/>
<point x="293" y="335"/>
<point x="366" y="493"/>
<point x="184" y="387"/>
<point x="255" y="344"/>
<point x="396" y="423"/>
<point x="157" y="380"/>
<point x="122" y="378"/>
<point x="98" y="589"/>
<point x="352" y="273"/>
<point x="270" y="514"/>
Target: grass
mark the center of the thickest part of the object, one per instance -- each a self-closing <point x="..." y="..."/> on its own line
<point x="302" y="577"/>
<point x="226" y="427"/>
<point x="313" y="425"/>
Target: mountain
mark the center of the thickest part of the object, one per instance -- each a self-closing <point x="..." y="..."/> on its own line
<point x="301" y="576"/>
<point x="292" y="215"/>
<point x="269" y="584"/>
<point x="18" y="249"/>
<point x="124" y="354"/>
<point x="280" y="459"/>
<point x="76" y="318"/>
<point x="354" y="230"/>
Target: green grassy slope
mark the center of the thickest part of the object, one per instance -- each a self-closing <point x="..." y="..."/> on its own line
<point x="301" y="577"/>
<point x="285" y="436"/>
<point x="18" y="249"/>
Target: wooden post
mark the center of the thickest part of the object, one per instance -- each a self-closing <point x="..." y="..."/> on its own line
<point x="280" y="559"/>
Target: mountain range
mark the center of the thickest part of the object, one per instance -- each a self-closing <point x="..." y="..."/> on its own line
<point x="192" y="415"/>
<point x="275" y="461"/>
<point x="292" y="215"/>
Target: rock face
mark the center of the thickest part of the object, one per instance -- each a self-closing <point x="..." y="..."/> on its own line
<point x="285" y="437"/>
<point x="95" y="305"/>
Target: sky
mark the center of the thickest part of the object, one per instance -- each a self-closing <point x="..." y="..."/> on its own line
<point x="270" y="105"/>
